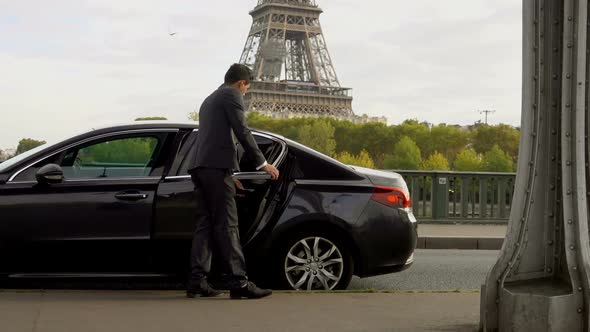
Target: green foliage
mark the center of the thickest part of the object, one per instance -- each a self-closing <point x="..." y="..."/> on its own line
<point x="27" y="144"/>
<point x="380" y="141"/>
<point x="468" y="161"/>
<point x="419" y="132"/>
<point x="153" y="118"/>
<point x="497" y="160"/>
<point x="484" y="137"/>
<point x="362" y="159"/>
<point x="436" y="162"/>
<point x="374" y="138"/>
<point x="448" y="140"/>
<point x="286" y="127"/>
<point x="136" y="151"/>
<point x="318" y="136"/>
<point x="405" y="156"/>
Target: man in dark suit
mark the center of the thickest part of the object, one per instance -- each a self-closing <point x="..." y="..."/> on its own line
<point x="221" y="120"/>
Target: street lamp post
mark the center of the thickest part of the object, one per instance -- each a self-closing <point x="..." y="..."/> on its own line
<point x="486" y="113"/>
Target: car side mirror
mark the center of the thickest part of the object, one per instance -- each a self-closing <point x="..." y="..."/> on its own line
<point x="50" y="174"/>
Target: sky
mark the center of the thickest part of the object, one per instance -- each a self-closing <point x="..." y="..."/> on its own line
<point x="67" y="66"/>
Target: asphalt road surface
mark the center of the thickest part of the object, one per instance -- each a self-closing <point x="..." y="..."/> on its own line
<point x="436" y="270"/>
<point x="432" y="270"/>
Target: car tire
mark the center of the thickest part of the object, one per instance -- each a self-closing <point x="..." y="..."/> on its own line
<point x="298" y="265"/>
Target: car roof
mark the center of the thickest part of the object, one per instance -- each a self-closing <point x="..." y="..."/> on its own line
<point x="145" y="124"/>
<point x="155" y="124"/>
<point x="161" y="124"/>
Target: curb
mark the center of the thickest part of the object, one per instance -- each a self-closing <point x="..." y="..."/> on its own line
<point x="463" y="243"/>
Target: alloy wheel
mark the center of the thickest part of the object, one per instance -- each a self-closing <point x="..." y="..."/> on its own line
<point x="314" y="263"/>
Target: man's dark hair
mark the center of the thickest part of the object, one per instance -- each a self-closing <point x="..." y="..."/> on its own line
<point x="238" y="72"/>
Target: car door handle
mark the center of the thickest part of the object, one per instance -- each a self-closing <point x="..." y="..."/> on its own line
<point x="251" y="176"/>
<point x="131" y="196"/>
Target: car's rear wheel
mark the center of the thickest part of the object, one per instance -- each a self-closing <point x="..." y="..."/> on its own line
<point x="314" y="261"/>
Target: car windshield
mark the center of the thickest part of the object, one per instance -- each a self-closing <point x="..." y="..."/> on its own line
<point x="18" y="158"/>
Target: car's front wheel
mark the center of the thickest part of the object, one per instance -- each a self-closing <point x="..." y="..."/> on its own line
<point x="314" y="261"/>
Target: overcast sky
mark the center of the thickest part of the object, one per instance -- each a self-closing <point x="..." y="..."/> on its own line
<point x="69" y="65"/>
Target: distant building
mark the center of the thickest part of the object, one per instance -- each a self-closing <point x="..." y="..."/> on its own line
<point x="368" y="119"/>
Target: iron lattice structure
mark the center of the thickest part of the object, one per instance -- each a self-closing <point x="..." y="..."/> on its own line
<point x="293" y="71"/>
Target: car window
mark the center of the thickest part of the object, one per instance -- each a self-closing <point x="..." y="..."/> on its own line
<point x="127" y="157"/>
<point x="186" y="154"/>
<point x="119" y="157"/>
<point x="270" y="148"/>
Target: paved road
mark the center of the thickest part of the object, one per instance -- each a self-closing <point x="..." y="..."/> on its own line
<point x="432" y="270"/>
<point x="436" y="270"/>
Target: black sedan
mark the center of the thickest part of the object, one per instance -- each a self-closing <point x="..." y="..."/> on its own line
<point x="118" y="202"/>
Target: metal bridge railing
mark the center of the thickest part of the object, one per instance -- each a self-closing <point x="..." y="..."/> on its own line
<point x="460" y="197"/>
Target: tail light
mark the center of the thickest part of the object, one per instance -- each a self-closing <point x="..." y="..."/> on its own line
<point x="392" y="197"/>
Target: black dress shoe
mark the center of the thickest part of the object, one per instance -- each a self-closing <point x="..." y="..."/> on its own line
<point x="250" y="291"/>
<point x="202" y="289"/>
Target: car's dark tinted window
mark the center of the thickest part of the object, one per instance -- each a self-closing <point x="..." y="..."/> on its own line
<point x="126" y="157"/>
<point x="269" y="148"/>
<point x="115" y="157"/>
<point x="186" y="153"/>
<point x="314" y="165"/>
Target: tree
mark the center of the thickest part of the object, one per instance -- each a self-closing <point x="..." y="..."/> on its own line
<point x="497" y="160"/>
<point x="436" y="162"/>
<point x="318" y="136"/>
<point x="468" y="161"/>
<point x="27" y="144"/>
<point x="347" y="137"/>
<point x="362" y="159"/>
<point x="286" y="127"/>
<point x="153" y="118"/>
<point x="3" y="156"/>
<point x="379" y="140"/>
<point x="376" y="140"/>
<point x="448" y="140"/>
<point x="484" y="137"/>
<point x="419" y="132"/>
<point x="406" y="155"/>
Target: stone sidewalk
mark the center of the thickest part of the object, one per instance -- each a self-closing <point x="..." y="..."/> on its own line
<point x="460" y="236"/>
<point x="147" y="311"/>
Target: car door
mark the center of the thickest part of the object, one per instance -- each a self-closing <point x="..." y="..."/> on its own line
<point x="99" y="218"/>
<point x="177" y="202"/>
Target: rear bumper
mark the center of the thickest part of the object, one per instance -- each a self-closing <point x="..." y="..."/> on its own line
<point x="388" y="241"/>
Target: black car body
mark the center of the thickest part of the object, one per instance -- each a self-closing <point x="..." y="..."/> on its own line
<point x="119" y="201"/>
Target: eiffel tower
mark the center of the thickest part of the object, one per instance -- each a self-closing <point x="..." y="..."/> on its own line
<point x="293" y="71"/>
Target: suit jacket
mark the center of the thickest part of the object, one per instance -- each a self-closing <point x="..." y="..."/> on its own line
<point x="221" y="118"/>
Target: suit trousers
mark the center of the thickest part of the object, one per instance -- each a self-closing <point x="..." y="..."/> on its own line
<point x="217" y="229"/>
